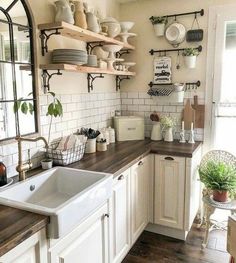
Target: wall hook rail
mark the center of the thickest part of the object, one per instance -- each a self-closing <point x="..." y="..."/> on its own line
<point x="195" y="13"/>
<point x="91" y="78"/>
<point x="164" y="51"/>
<point x="119" y="79"/>
<point x="46" y="79"/>
<point x="188" y="85"/>
<point x="45" y="37"/>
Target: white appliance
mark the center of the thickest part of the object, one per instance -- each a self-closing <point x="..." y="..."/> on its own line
<point x="129" y="128"/>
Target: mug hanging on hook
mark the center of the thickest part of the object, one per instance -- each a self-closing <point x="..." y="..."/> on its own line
<point x="195" y="35"/>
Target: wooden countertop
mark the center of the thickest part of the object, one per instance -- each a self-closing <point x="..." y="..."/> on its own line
<point x="18" y="225"/>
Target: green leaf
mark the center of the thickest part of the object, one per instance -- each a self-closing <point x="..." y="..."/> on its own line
<point x="16" y="106"/>
<point x="24" y="108"/>
<point x="31" y="108"/>
<point x="60" y="108"/>
<point x="52" y="93"/>
<point x="30" y="94"/>
<point x="50" y="109"/>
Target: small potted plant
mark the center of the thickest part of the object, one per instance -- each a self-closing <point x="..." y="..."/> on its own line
<point x="220" y="178"/>
<point x="190" y="57"/>
<point x="168" y="123"/>
<point x="159" y="23"/>
<point x="54" y="110"/>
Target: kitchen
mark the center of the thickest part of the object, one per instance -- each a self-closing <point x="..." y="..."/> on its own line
<point x="130" y="184"/>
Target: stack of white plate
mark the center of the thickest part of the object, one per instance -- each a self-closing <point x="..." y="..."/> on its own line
<point x="70" y="56"/>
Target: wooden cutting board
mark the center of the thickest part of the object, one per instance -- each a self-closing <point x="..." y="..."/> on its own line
<point x="188" y="115"/>
<point x="199" y="113"/>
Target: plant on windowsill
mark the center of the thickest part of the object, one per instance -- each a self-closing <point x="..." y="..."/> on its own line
<point x="220" y="178"/>
<point x="190" y="57"/>
<point x="55" y="110"/>
<point x="159" y="23"/>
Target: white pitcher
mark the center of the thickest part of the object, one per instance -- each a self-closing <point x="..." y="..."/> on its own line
<point x="64" y="11"/>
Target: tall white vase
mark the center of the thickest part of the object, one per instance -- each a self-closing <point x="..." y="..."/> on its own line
<point x="168" y="135"/>
<point x="156" y="132"/>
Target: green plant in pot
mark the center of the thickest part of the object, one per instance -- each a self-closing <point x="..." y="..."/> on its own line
<point x="190" y="57"/>
<point x="159" y="23"/>
<point x="220" y="178"/>
<point x="55" y="110"/>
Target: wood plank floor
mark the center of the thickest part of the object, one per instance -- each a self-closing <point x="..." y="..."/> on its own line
<point x="154" y="248"/>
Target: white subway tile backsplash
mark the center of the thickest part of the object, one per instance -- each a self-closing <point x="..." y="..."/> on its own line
<point x="133" y="95"/>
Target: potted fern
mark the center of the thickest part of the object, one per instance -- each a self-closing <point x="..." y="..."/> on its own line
<point x="159" y="23"/>
<point x="55" y="110"/>
<point x="190" y="57"/>
<point x="220" y="178"/>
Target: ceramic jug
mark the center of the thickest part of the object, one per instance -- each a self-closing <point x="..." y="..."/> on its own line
<point x="80" y="17"/>
<point x="92" y="22"/>
<point x="64" y="11"/>
<point x="156" y="134"/>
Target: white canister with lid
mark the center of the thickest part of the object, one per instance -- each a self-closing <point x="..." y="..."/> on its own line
<point x="106" y="135"/>
<point x="112" y="136"/>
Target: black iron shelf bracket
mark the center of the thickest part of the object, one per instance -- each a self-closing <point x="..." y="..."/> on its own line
<point x="46" y="79"/>
<point x="195" y="13"/>
<point x="119" y="79"/>
<point x="44" y="36"/>
<point x="164" y="51"/>
<point x="91" y="78"/>
<point x="188" y="85"/>
<point x="122" y="52"/>
<point x="91" y="45"/>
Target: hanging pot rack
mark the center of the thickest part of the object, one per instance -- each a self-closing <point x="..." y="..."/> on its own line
<point x="195" y="13"/>
<point x="188" y="85"/>
<point x="164" y="51"/>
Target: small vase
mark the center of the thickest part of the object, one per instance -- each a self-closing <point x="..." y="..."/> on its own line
<point x="156" y="132"/>
<point x="159" y="29"/>
<point x="190" y="61"/>
<point x="64" y="11"/>
<point x="168" y="135"/>
<point x="92" y="22"/>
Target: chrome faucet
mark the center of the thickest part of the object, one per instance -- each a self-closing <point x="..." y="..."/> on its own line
<point x="23" y="167"/>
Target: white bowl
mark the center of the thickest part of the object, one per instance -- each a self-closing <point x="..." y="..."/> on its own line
<point x="112" y="49"/>
<point x="124" y="37"/>
<point x="179" y="86"/>
<point x="126" y="26"/>
<point x="112" y="28"/>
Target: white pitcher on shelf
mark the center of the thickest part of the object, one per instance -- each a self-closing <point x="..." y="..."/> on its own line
<point x="64" y="11"/>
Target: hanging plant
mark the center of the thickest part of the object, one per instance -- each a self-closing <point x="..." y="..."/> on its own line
<point x="159" y="23"/>
<point x="190" y="57"/>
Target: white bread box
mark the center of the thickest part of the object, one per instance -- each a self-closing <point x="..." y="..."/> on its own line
<point x="129" y="128"/>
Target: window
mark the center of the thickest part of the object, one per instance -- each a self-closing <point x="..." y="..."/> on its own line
<point x="17" y="69"/>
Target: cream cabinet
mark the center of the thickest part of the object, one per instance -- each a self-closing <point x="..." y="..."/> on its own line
<point x="32" y="250"/>
<point x="120" y="217"/>
<point x="169" y="191"/>
<point x="88" y="243"/>
<point x="139" y="197"/>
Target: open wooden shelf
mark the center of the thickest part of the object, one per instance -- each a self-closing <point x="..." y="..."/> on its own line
<point x="84" y="69"/>
<point x="75" y="32"/>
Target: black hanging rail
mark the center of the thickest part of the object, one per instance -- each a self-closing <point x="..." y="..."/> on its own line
<point x="201" y="13"/>
<point x="161" y="51"/>
<point x="188" y="85"/>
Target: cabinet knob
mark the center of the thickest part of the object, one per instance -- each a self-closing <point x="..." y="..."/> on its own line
<point x="121" y="177"/>
<point x="140" y="163"/>
<point x="106" y="216"/>
<point x="169" y="158"/>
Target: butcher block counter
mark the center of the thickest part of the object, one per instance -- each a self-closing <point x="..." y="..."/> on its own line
<point x="17" y="225"/>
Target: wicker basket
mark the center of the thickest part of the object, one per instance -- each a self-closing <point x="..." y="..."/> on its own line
<point x="65" y="157"/>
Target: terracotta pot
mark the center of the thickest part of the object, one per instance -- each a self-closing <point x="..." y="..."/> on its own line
<point x="220" y="196"/>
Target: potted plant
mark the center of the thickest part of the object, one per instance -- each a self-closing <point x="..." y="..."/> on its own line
<point x="168" y="123"/>
<point x="159" y="23"/>
<point x="220" y="178"/>
<point x="190" y="57"/>
<point x="55" y="109"/>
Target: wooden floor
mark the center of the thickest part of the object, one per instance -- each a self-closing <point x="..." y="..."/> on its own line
<point x="154" y="248"/>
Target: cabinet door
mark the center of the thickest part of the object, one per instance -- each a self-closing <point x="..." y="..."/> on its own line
<point x="169" y="191"/>
<point x="86" y="244"/>
<point x="32" y="250"/>
<point x="120" y="217"/>
<point x="139" y="197"/>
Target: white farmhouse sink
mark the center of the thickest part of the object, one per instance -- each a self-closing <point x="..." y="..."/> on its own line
<point x="66" y="195"/>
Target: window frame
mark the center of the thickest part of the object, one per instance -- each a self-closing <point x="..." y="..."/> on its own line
<point x="30" y="27"/>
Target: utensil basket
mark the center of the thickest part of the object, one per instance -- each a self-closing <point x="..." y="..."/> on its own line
<point x="65" y="157"/>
